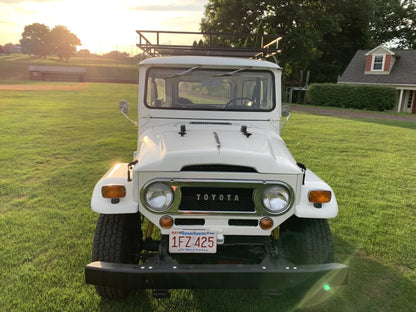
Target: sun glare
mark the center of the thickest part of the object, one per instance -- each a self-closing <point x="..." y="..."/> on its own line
<point x="100" y="26"/>
<point x="103" y="25"/>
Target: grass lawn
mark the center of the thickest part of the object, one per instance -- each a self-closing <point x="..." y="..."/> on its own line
<point x="55" y="145"/>
<point x="98" y="68"/>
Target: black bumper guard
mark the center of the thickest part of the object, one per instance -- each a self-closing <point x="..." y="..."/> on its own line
<point x="217" y="276"/>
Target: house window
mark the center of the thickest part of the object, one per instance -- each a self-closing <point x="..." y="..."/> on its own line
<point x="378" y="62"/>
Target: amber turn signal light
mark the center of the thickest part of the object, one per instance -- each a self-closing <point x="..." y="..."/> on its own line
<point x="319" y="197"/>
<point x="166" y="222"/>
<point x="266" y="223"/>
<point x="113" y="191"/>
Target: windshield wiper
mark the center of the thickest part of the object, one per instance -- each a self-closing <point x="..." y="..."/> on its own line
<point x="188" y="71"/>
<point x="232" y="73"/>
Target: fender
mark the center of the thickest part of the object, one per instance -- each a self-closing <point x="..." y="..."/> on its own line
<point x="117" y="175"/>
<point x="306" y="209"/>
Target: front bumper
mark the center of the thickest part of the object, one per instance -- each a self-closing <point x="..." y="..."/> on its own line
<point x="218" y="276"/>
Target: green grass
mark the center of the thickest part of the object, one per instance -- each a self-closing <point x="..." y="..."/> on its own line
<point x="55" y="145"/>
<point x="98" y="68"/>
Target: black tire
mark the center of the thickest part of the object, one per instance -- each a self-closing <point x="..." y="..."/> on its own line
<point x="117" y="239"/>
<point x="307" y="241"/>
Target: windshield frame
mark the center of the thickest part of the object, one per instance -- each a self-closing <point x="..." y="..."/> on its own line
<point x="181" y="74"/>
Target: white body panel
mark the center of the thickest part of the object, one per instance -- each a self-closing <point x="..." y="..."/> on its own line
<point x="219" y="223"/>
<point x="306" y="209"/>
<point x="161" y="148"/>
<point x="115" y="176"/>
<point x="212" y="138"/>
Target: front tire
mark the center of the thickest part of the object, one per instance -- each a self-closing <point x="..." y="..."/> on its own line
<point x="117" y="239"/>
<point x="307" y="241"/>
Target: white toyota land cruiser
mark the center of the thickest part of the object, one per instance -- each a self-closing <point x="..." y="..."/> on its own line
<point x="213" y="197"/>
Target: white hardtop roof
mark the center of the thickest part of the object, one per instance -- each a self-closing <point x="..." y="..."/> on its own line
<point x="209" y="61"/>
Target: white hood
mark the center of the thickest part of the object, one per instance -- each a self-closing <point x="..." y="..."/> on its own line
<point x="165" y="149"/>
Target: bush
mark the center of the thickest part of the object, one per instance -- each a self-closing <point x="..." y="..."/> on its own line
<point x="377" y="98"/>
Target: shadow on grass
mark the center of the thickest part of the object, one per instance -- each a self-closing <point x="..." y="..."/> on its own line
<point x="372" y="287"/>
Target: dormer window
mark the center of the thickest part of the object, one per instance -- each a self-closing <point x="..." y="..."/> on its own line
<point x="378" y="62"/>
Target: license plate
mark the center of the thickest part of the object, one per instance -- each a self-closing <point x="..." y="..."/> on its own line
<point x="192" y="241"/>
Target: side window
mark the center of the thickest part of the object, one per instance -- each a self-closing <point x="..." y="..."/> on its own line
<point x="156" y="95"/>
<point x="248" y="88"/>
<point x="257" y="90"/>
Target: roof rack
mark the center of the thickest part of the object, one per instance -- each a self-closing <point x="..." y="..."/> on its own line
<point x="209" y="48"/>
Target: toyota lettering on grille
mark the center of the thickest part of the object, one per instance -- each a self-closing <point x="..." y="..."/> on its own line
<point x="217" y="197"/>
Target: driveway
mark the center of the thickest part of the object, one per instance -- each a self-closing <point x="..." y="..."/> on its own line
<point x="348" y="113"/>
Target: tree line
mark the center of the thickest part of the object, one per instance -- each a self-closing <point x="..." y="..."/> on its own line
<point x="38" y="39"/>
<point x="9" y="48"/>
<point x="320" y="35"/>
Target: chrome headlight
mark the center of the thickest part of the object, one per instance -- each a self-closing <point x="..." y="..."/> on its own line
<point x="277" y="199"/>
<point x="158" y="196"/>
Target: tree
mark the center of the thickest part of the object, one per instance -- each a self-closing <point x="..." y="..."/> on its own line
<point x="302" y="24"/>
<point x="11" y="48"/>
<point x="1" y="49"/>
<point x="38" y="39"/>
<point x="140" y="57"/>
<point x="349" y="34"/>
<point x="394" y="22"/>
<point x="320" y="35"/>
<point x="233" y="16"/>
<point x="116" y="54"/>
<point x="35" y="40"/>
<point x="63" y="42"/>
<point x="84" y="53"/>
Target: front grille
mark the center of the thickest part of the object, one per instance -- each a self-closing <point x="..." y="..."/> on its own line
<point x="217" y="199"/>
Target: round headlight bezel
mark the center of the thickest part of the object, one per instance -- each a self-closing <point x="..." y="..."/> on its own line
<point x="278" y="190"/>
<point x="162" y="190"/>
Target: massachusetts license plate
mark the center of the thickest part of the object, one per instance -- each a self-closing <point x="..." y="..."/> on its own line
<point x="192" y="241"/>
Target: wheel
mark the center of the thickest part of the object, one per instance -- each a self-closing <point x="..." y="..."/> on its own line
<point x="117" y="239"/>
<point x="240" y="102"/>
<point x="307" y="241"/>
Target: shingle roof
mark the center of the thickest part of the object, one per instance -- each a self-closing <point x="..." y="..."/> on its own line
<point x="403" y="71"/>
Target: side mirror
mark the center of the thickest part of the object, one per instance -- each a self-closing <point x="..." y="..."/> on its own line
<point x="124" y="109"/>
<point x="124" y="106"/>
<point x="285" y="111"/>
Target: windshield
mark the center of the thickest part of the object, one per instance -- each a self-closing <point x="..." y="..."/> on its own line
<point x="193" y="88"/>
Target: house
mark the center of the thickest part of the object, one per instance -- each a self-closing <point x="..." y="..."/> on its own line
<point x="382" y="66"/>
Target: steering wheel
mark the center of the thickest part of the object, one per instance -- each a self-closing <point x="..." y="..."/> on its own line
<point x="242" y="102"/>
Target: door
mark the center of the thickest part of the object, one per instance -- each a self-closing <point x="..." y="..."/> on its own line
<point x="409" y="103"/>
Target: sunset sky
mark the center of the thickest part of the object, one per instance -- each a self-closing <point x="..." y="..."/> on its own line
<point x="101" y="25"/>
